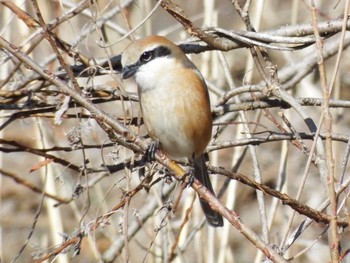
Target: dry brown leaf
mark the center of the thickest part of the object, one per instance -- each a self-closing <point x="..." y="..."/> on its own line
<point x="38" y="165"/>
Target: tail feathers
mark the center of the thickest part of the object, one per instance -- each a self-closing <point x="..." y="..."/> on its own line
<point x="214" y="219"/>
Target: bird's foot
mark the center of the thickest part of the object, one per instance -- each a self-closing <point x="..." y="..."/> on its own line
<point x="188" y="177"/>
<point x="150" y="154"/>
<point x="148" y="157"/>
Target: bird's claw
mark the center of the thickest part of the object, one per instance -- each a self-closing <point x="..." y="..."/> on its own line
<point x="150" y="154"/>
<point x="148" y="157"/>
<point x="188" y="177"/>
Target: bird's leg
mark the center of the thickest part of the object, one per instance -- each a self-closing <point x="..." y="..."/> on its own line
<point x="148" y="157"/>
<point x="188" y="177"/>
<point x="150" y="154"/>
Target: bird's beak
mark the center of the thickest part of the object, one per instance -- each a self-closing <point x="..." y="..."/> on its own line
<point x="129" y="71"/>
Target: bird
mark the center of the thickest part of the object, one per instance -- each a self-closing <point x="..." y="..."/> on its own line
<point x="174" y="103"/>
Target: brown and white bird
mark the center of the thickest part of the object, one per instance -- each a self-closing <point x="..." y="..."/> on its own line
<point x="175" y="104"/>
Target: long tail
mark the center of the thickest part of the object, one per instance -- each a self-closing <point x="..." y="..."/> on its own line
<point x="201" y="174"/>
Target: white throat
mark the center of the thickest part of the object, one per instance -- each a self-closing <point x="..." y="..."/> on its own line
<point x="154" y="73"/>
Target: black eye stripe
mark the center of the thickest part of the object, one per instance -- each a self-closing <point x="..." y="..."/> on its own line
<point x="162" y="51"/>
<point x="147" y="56"/>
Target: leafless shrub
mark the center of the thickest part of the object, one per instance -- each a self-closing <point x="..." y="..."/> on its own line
<point x="72" y="136"/>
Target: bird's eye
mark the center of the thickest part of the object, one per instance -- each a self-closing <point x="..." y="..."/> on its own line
<point x="146" y="56"/>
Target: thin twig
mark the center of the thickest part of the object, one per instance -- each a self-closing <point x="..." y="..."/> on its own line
<point x="334" y="238"/>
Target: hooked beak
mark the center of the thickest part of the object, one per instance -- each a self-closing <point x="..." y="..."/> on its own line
<point x="129" y="71"/>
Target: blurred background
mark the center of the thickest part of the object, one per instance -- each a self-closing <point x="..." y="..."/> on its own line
<point x="53" y="154"/>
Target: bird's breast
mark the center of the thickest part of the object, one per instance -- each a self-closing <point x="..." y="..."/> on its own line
<point x="177" y="113"/>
